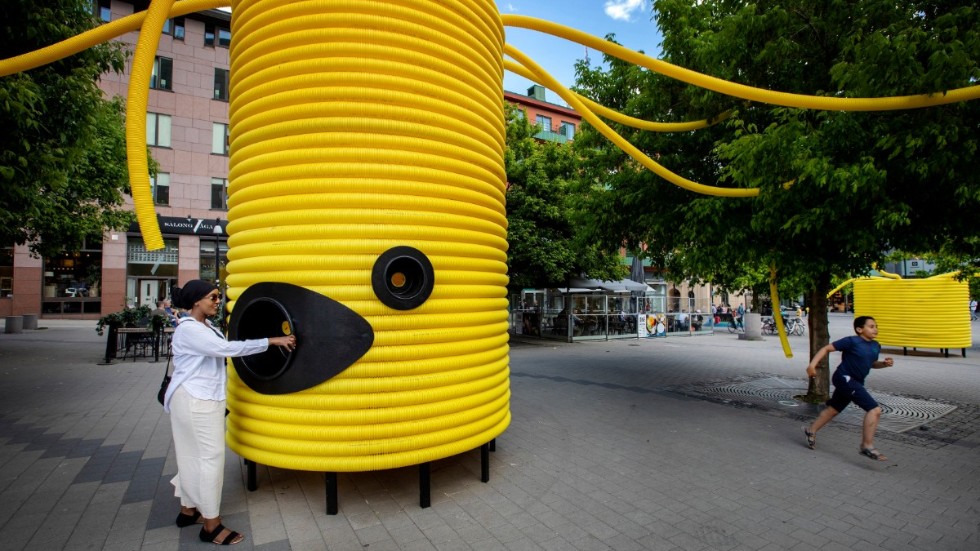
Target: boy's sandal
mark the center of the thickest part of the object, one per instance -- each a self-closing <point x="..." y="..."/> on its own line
<point x="232" y="538"/>
<point x="873" y="454"/>
<point x="811" y="438"/>
<point x="184" y="520"/>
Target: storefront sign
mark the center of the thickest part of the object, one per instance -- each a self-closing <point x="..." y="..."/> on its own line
<point x="185" y="226"/>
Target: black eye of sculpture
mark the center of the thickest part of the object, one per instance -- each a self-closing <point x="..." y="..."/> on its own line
<point x="402" y="278"/>
<point x="330" y="337"/>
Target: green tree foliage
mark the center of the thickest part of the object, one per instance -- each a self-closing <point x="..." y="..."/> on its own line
<point x="861" y="183"/>
<point x="545" y="248"/>
<point x="62" y="149"/>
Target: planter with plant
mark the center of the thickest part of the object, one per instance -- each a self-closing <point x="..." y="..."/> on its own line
<point x="93" y="277"/>
<point x="127" y="317"/>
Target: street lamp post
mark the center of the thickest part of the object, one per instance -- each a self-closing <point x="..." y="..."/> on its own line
<point x="217" y="250"/>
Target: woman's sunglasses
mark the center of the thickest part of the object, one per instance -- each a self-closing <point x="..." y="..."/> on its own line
<point x="214" y="297"/>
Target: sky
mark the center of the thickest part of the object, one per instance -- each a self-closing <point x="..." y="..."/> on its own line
<point x="629" y="20"/>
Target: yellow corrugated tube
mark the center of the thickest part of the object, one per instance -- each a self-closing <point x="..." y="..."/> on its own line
<point x="136" y="102"/>
<point x="614" y="115"/>
<point x="776" y="315"/>
<point x="618" y="139"/>
<point x="357" y="127"/>
<point x="700" y="80"/>
<point x="103" y="33"/>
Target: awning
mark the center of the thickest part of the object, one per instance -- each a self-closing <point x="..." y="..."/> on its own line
<point x="569" y="290"/>
<point x="621" y="286"/>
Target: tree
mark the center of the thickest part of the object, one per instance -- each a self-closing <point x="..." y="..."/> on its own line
<point x="62" y="152"/>
<point x="544" y="247"/>
<point x="861" y="183"/>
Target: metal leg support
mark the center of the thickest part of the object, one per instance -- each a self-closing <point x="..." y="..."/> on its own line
<point x="330" y="481"/>
<point x="425" y="480"/>
<point x="251" y="480"/>
<point x="485" y="462"/>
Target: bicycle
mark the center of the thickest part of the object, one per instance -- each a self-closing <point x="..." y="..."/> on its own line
<point x="735" y="325"/>
<point x="769" y="326"/>
<point x="795" y="326"/>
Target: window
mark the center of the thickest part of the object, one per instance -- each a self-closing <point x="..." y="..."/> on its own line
<point x="219" y="193"/>
<point x="168" y="26"/>
<point x="163" y="71"/>
<point x="567" y="129"/>
<point x="224" y="38"/>
<point x="219" y="139"/>
<point x="520" y="114"/>
<point x="6" y="272"/>
<point x="72" y="280"/>
<point x="160" y="187"/>
<point x="158" y="130"/>
<point x="103" y="10"/>
<point x="179" y="28"/>
<point x="543" y="122"/>
<point x="223" y="35"/>
<point x="221" y="84"/>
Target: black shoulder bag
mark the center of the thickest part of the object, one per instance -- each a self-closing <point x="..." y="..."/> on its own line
<point x="166" y="379"/>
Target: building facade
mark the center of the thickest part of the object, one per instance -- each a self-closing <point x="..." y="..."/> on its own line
<point x="557" y="123"/>
<point x="187" y="131"/>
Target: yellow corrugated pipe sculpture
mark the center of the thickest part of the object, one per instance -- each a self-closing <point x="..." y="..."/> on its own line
<point x="931" y="312"/>
<point x="359" y="127"/>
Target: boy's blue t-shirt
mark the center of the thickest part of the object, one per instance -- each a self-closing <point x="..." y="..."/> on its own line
<point x="858" y="356"/>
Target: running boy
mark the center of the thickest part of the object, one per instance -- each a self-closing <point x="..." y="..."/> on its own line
<point x="860" y="356"/>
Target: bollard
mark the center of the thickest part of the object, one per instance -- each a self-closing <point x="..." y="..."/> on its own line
<point x="13" y="324"/>
<point x="30" y="321"/>
<point x="111" y="343"/>
<point x="753" y="327"/>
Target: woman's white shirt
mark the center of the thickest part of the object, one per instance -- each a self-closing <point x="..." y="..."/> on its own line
<point x="199" y="353"/>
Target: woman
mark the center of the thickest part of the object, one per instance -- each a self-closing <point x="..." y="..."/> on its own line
<point x="195" y="401"/>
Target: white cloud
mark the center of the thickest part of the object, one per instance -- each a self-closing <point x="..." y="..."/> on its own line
<point x="622" y="10"/>
<point x="511" y="8"/>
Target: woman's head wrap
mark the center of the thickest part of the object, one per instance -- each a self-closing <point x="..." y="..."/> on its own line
<point x="192" y="291"/>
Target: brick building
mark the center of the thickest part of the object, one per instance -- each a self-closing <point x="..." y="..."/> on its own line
<point x="187" y="131"/>
<point x="558" y="123"/>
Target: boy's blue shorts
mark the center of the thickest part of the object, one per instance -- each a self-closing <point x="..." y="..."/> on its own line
<point x="847" y="390"/>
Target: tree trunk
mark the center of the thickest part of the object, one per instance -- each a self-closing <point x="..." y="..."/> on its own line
<point x="818" y="390"/>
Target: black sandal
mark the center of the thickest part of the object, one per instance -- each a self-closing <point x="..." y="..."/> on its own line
<point x="873" y="454"/>
<point x="811" y="437"/>
<point x="231" y="539"/>
<point x="184" y="520"/>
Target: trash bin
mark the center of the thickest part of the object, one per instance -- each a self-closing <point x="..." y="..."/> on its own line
<point x="30" y="321"/>
<point x="13" y="324"/>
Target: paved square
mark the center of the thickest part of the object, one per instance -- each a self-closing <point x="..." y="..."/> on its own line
<point x="603" y="453"/>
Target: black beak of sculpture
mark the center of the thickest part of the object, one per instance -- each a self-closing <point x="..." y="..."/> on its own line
<point x="330" y="337"/>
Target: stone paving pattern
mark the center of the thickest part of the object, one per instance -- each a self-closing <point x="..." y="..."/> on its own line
<point x="603" y="452"/>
